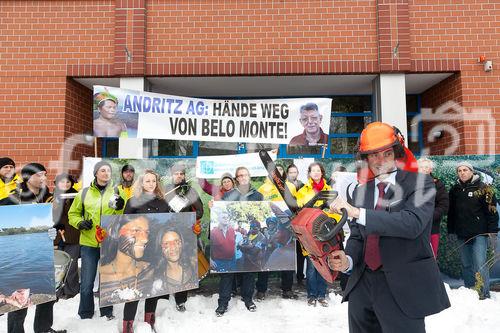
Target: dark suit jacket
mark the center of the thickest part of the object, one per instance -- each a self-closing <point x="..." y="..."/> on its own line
<point x="404" y="229"/>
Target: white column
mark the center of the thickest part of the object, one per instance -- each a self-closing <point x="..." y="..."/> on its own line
<point x="389" y="92"/>
<point x="131" y="147"/>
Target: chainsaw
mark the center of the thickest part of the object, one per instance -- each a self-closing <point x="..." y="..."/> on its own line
<point x="318" y="233"/>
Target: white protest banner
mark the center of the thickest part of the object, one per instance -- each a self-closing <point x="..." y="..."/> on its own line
<point x="128" y="113"/>
<point x="88" y="168"/>
<point x="211" y="167"/>
<point x="344" y="183"/>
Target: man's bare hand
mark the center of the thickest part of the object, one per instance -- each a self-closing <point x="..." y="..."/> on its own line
<point x="337" y="261"/>
<point x="340" y="203"/>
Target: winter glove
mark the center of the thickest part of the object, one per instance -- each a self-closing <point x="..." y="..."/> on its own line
<point x="100" y="234"/>
<point x="85" y="225"/>
<point x="197" y="228"/>
<point x="52" y="232"/>
<point x="120" y="203"/>
<point x="116" y="202"/>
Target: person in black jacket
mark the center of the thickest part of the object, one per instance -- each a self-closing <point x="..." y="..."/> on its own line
<point x="182" y="197"/>
<point x="148" y="197"/>
<point x="68" y="238"/>
<point x="243" y="192"/>
<point x="472" y="216"/>
<point x="441" y="203"/>
<point x="32" y="190"/>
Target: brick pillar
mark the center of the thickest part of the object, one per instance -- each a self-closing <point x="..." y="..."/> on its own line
<point x="393" y="28"/>
<point x="130" y="37"/>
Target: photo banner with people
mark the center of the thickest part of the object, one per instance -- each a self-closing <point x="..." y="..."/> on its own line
<point x="211" y="167"/>
<point x="27" y="262"/>
<point x="251" y="237"/>
<point x="134" y="114"/>
<point x="147" y="255"/>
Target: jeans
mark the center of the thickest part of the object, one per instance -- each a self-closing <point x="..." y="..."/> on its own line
<point x="226" y="285"/>
<point x="224" y="265"/>
<point x="90" y="259"/>
<point x="316" y="285"/>
<point x="473" y="256"/>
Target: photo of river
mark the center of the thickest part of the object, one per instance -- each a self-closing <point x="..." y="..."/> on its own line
<point x="27" y="260"/>
<point x="24" y="263"/>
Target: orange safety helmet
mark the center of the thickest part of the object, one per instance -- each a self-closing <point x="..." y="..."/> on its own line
<point x="377" y="136"/>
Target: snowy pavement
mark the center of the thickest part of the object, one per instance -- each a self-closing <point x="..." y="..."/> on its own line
<point x="468" y="315"/>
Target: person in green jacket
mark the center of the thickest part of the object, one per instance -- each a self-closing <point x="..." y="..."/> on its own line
<point x="100" y="198"/>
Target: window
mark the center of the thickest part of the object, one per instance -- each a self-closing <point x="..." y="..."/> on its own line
<point x="109" y="147"/>
<point x="157" y="148"/>
<point x="414" y="140"/>
<point x="256" y="147"/>
<point x="208" y="148"/>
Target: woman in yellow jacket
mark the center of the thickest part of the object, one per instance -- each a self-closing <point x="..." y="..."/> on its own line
<point x="316" y="285"/>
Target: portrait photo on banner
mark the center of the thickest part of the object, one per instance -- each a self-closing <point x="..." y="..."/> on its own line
<point x="27" y="261"/>
<point x="147" y="255"/>
<point x="110" y="118"/>
<point x="251" y="237"/>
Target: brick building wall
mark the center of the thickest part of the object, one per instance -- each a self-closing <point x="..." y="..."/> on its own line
<point x="39" y="106"/>
<point x="44" y="44"/>
<point x="261" y="37"/>
<point x="464" y="31"/>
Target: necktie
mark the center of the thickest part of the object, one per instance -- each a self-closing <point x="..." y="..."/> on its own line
<point x="372" y="251"/>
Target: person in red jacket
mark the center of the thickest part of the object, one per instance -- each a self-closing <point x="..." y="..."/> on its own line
<point x="223" y="245"/>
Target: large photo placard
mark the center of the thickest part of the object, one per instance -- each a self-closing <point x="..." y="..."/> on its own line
<point x="134" y="114"/>
<point x="147" y="255"/>
<point x="27" y="260"/>
<point x="251" y="237"/>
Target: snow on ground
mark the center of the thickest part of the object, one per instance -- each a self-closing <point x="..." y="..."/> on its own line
<point x="468" y="315"/>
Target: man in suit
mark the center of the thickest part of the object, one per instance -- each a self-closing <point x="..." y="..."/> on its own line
<point x="394" y="279"/>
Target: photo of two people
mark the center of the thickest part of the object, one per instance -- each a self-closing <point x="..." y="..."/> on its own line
<point x="147" y="255"/>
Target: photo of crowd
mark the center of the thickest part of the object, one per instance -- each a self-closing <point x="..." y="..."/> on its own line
<point x="251" y="237"/>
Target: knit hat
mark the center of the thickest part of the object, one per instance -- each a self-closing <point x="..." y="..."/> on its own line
<point x="128" y="167"/>
<point x="30" y="169"/>
<point x="465" y="164"/>
<point x="178" y="167"/>
<point x="254" y="224"/>
<point x="99" y="165"/>
<point x="6" y="161"/>
<point x="226" y="175"/>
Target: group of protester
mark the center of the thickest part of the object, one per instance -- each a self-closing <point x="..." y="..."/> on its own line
<point x="393" y="279"/>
